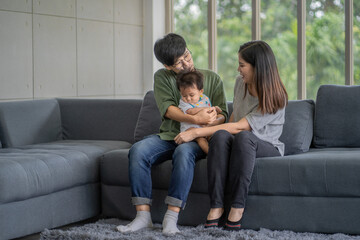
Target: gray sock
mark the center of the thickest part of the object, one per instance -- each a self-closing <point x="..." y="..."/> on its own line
<point x="169" y="223"/>
<point x="142" y="220"/>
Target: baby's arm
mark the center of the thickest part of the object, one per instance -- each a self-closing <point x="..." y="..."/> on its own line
<point x="193" y="111"/>
<point x="219" y="119"/>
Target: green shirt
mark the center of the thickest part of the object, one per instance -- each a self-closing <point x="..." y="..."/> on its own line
<point x="167" y="94"/>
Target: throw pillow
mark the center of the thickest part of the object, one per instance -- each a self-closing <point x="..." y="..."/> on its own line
<point x="149" y="119"/>
<point x="337" y="117"/>
<point x="298" y="128"/>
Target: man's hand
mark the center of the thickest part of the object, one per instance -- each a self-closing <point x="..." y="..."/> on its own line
<point x="218" y="110"/>
<point x="219" y="120"/>
<point x="206" y="116"/>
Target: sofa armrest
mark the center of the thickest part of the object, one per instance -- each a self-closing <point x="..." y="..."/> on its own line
<point x="29" y="122"/>
<point x="99" y="119"/>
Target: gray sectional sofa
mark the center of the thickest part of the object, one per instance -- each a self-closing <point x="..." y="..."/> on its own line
<point x="65" y="160"/>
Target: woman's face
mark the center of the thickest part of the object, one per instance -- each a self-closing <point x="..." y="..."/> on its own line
<point x="246" y="70"/>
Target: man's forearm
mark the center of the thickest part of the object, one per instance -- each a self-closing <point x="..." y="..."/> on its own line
<point x="176" y="114"/>
<point x="193" y="111"/>
<point x="201" y="118"/>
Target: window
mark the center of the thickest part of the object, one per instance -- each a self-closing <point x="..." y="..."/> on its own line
<point x="324" y="29"/>
<point x="191" y="23"/>
<point x="279" y="30"/>
<point x="325" y="45"/>
<point x="233" y="21"/>
<point x="356" y="41"/>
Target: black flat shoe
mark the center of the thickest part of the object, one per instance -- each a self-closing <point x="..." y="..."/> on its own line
<point x="212" y="223"/>
<point x="232" y="226"/>
<point x="219" y="222"/>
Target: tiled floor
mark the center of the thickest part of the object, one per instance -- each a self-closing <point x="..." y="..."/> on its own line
<point x="36" y="236"/>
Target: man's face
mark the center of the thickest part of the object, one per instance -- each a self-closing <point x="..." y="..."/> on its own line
<point x="182" y="63"/>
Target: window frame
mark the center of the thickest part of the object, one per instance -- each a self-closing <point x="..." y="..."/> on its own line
<point x="256" y="35"/>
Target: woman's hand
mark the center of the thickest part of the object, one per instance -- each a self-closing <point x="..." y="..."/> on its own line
<point x="186" y="136"/>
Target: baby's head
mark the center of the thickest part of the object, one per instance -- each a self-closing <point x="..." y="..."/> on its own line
<point x="190" y="85"/>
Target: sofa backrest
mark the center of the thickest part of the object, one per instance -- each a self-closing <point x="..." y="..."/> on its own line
<point x="99" y="119"/>
<point x="149" y="119"/>
<point x="29" y="122"/>
<point x="337" y="116"/>
<point x="297" y="132"/>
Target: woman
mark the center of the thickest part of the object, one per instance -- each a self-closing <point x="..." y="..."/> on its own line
<point x="253" y="131"/>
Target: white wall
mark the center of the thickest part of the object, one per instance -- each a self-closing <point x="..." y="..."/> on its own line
<point x="154" y="28"/>
<point x="78" y="48"/>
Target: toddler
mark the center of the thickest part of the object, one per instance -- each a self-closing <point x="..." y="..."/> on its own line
<point x="190" y="85"/>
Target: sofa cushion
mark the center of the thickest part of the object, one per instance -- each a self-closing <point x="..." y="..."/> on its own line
<point x="114" y="172"/>
<point x="149" y="119"/>
<point x="29" y="122"/>
<point x="316" y="173"/>
<point x="298" y="128"/>
<point x="114" y="168"/>
<point x="337" y="116"/>
<point x="328" y="172"/>
<point x="94" y="119"/>
<point x="40" y="169"/>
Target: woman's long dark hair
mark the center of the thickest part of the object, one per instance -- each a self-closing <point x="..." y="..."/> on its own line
<point x="269" y="87"/>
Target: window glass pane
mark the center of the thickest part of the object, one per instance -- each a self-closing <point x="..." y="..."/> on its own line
<point x="356" y="42"/>
<point x="233" y="29"/>
<point x="325" y="44"/>
<point x="191" y="23"/>
<point x="279" y="30"/>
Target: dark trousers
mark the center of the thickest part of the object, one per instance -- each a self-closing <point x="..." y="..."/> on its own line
<point x="231" y="160"/>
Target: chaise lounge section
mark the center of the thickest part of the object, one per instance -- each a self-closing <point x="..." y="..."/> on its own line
<point x="49" y="160"/>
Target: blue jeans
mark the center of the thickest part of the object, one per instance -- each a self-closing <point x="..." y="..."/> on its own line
<point x="151" y="151"/>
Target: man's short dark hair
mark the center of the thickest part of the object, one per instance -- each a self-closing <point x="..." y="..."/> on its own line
<point x="189" y="79"/>
<point x="168" y="48"/>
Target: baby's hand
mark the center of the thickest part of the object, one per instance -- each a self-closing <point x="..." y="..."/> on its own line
<point x="218" y="110"/>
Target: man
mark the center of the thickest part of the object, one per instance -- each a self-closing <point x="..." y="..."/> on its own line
<point x="172" y="52"/>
